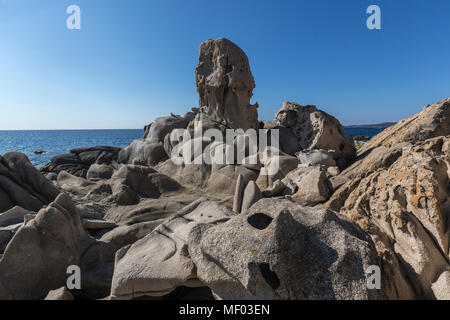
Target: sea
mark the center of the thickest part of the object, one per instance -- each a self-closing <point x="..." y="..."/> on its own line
<point x="54" y="142"/>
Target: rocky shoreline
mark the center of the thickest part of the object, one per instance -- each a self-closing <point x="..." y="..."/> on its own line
<point x="305" y="218"/>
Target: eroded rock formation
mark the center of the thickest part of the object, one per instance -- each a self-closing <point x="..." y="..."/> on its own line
<point x="225" y="85"/>
<point x="285" y="226"/>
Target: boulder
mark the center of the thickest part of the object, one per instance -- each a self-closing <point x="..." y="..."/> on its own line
<point x="131" y="182"/>
<point x="159" y="263"/>
<point x="405" y="207"/>
<point x="37" y="258"/>
<point x="7" y="233"/>
<point x="13" y="216"/>
<point x="73" y="184"/>
<point x="313" y="186"/>
<point x="163" y="126"/>
<point x="251" y="195"/>
<point x="22" y="185"/>
<point x="281" y="250"/>
<point x="143" y="152"/>
<point x="79" y="160"/>
<point x="316" y="157"/>
<point x="223" y="180"/>
<point x="59" y="294"/>
<point x="225" y="85"/>
<point x="316" y="129"/>
<point x="100" y="171"/>
<point x="97" y="263"/>
<point x="276" y="189"/>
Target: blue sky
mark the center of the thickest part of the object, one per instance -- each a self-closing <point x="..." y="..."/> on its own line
<point x="134" y="60"/>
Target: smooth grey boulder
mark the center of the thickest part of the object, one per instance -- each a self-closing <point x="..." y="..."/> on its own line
<point x="100" y="171"/>
<point x="164" y="125"/>
<point x="131" y="182"/>
<point x="333" y="171"/>
<point x="36" y="259"/>
<point x="316" y="157"/>
<point x="73" y="184"/>
<point x="275" y="189"/>
<point x="7" y="233"/>
<point x="337" y="181"/>
<point x="159" y="263"/>
<point x="313" y="187"/>
<point x="143" y="152"/>
<point x="97" y="263"/>
<point x="223" y="180"/>
<point x="13" y="216"/>
<point x="281" y="250"/>
<point x="251" y="195"/>
<point x="21" y="184"/>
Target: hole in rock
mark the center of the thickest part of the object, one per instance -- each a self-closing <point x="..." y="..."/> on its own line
<point x="259" y="221"/>
<point x="270" y="276"/>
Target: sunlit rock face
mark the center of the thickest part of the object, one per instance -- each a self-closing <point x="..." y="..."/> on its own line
<point x="225" y="85"/>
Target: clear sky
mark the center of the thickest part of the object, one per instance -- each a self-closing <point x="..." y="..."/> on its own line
<point x="134" y="60"/>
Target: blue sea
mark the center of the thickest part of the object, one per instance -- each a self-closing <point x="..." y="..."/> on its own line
<point x="56" y="142"/>
<point x="368" y="132"/>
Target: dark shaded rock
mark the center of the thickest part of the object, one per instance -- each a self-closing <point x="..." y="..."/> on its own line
<point x="22" y="185"/>
<point x="79" y="160"/>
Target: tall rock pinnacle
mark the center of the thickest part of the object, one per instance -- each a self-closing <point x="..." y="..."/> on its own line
<point x="225" y="85"/>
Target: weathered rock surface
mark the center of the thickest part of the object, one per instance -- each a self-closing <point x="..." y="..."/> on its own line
<point x="13" y="216"/>
<point x="37" y="258"/>
<point x="316" y="129"/>
<point x="225" y="85"/>
<point x="316" y="157"/>
<point x="100" y="171"/>
<point x="251" y="195"/>
<point x="309" y="185"/>
<point x="79" y="160"/>
<point x="397" y="190"/>
<point x="405" y="209"/>
<point x="97" y="263"/>
<point x="131" y="182"/>
<point x="60" y="294"/>
<point x="7" y="233"/>
<point x="22" y="185"/>
<point x="155" y="147"/>
<point x="159" y="263"/>
<point x="281" y="250"/>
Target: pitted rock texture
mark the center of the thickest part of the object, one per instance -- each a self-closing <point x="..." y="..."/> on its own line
<point x="316" y="129"/>
<point x="225" y="85"/>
